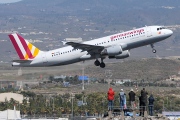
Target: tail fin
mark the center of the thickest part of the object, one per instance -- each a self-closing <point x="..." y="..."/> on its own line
<point x="24" y="49"/>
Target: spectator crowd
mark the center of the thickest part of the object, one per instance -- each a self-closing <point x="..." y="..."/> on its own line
<point x="144" y="101"/>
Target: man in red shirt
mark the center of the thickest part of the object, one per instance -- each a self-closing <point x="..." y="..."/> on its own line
<point x="110" y="99"/>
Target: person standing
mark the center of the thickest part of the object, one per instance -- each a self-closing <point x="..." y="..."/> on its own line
<point x="122" y="97"/>
<point x="140" y="105"/>
<point x="143" y="100"/>
<point x="151" y="105"/>
<point x="132" y="98"/>
<point x="110" y="99"/>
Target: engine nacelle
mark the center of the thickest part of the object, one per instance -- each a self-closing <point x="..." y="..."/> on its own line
<point x="112" y="51"/>
<point x="124" y="54"/>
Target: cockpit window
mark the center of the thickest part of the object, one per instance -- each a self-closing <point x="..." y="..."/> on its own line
<point x="161" y="28"/>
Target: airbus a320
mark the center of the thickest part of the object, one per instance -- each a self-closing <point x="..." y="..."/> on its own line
<point x="115" y="46"/>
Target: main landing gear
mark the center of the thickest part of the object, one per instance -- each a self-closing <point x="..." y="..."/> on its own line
<point x="101" y="64"/>
<point x="153" y="50"/>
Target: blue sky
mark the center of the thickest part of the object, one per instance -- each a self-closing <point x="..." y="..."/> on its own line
<point x="9" y="1"/>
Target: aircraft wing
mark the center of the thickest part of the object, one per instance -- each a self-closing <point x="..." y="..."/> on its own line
<point x="86" y="47"/>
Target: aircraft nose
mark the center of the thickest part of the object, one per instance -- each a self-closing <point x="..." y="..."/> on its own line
<point x="170" y="32"/>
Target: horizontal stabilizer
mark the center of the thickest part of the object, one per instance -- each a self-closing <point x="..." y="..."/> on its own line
<point x="64" y="42"/>
<point x="21" y="61"/>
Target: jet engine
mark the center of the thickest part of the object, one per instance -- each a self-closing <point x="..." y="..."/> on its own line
<point x="112" y="51"/>
<point x="124" y="54"/>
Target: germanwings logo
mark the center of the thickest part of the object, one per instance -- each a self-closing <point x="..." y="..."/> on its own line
<point x="24" y="49"/>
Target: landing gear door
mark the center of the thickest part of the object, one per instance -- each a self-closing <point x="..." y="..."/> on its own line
<point x="44" y="59"/>
<point x="148" y="31"/>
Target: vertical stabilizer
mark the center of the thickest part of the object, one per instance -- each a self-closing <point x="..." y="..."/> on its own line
<point x="24" y="49"/>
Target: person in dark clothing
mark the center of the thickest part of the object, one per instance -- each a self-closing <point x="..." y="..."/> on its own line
<point x="132" y="98"/>
<point x="143" y="100"/>
<point x="151" y="105"/>
<point x="140" y="105"/>
<point x="144" y="95"/>
<point x="110" y="99"/>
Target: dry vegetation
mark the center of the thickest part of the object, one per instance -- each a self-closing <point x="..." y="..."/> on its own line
<point x="147" y="69"/>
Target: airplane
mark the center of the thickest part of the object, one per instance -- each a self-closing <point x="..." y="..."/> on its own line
<point x="114" y="46"/>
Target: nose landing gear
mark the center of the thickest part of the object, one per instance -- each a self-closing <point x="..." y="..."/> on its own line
<point x="153" y="50"/>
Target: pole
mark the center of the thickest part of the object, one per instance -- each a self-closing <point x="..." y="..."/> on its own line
<point x="108" y="83"/>
<point x="108" y="74"/>
<point x="170" y="104"/>
<point x="163" y="105"/>
<point x="53" y="104"/>
<point x="72" y="105"/>
<point x="167" y="102"/>
<point x="83" y="76"/>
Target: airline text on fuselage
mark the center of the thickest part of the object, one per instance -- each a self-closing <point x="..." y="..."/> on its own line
<point x="127" y="33"/>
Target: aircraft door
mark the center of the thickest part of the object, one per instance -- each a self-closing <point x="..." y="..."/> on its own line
<point x="44" y="59"/>
<point x="148" y="31"/>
